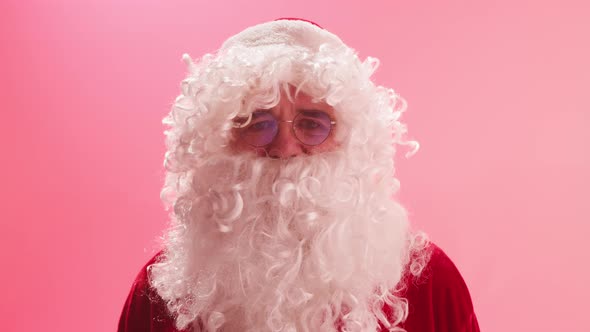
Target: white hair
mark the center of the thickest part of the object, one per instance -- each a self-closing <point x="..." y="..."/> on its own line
<point x="312" y="243"/>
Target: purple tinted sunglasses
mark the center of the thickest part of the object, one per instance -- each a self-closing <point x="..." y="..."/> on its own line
<point x="309" y="127"/>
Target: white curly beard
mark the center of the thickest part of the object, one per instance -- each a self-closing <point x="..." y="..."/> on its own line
<point x="312" y="243"/>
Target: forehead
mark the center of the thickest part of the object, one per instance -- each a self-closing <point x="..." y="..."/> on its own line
<point x="303" y="101"/>
<point x="306" y="101"/>
<point x="287" y="101"/>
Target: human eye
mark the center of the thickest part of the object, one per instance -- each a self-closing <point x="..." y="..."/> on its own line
<point x="308" y="124"/>
<point x="313" y="122"/>
<point x="260" y="125"/>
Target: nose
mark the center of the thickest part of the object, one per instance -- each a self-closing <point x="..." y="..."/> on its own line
<point x="285" y="145"/>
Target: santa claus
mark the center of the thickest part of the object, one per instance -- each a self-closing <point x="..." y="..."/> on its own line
<point x="280" y="180"/>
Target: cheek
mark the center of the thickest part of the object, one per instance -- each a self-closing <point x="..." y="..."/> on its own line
<point x="238" y="146"/>
<point x="328" y="145"/>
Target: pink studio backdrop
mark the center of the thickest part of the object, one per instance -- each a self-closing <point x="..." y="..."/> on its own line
<point x="497" y="94"/>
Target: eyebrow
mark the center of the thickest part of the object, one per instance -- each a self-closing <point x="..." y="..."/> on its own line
<point x="313" y="113"/>
<point x="255" y="114"/>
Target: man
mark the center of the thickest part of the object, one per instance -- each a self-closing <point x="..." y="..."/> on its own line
<point x="280" y="174"/>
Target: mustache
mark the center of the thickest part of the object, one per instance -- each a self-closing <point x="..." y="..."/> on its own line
<point x="226" y="187"/>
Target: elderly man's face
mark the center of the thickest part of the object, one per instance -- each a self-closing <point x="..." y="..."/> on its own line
<point x="311" y="132"/>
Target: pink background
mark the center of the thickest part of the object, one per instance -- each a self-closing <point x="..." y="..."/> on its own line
<point x="497" y="97"/>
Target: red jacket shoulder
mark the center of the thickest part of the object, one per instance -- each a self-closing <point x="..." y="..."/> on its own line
<point x="144" y="310"/>
<point x="439" y="299"/>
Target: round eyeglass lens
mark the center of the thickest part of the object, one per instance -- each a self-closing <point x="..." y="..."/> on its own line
<point x="312" y="127"/>
<point x="261" y="130"/>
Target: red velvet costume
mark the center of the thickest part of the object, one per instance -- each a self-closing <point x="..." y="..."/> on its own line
<point x="438" y="301"/>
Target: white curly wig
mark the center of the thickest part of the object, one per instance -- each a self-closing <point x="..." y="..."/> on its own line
<point x="310" y="243"/>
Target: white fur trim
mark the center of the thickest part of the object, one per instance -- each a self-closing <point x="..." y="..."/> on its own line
<point x="284" y="32"/>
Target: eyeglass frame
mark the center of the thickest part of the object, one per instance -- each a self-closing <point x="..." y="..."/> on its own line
<point x="249" y="119"/>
